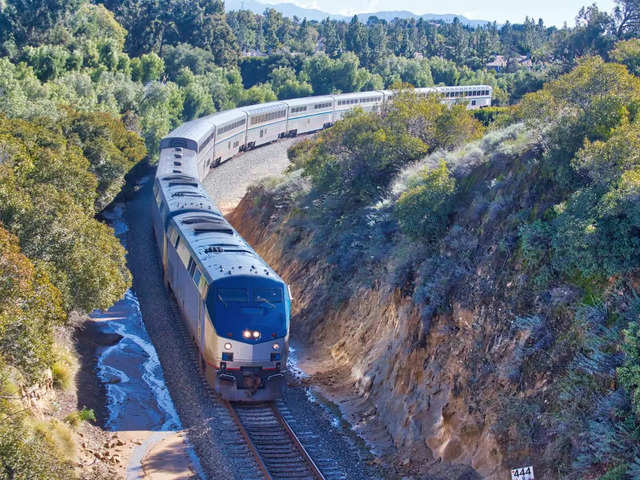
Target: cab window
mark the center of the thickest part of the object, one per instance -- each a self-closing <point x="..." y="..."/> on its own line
<point x="271" y="295"/>
<point x="233" y="295"/>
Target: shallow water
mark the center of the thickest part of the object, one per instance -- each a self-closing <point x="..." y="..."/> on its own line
<point x="137" y="397"/>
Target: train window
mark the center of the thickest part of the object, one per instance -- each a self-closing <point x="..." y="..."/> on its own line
<point x="197" y="275"/>
<point x="173" y="236"/>
<point x="191" y="267"/>
<point x="270" y="295"/>
<point x="232" y="295"/>
<point x="183" y="253"/>
<point x="203" y="286"/>
<point x="158" y="196"/>
<point x="206" y="142"/>
<point x="231" y="126"/>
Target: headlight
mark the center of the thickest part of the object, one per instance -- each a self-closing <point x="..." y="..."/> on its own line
<point x="276" y="346"/>
<point x="246" y="334"/>
<point x="227" y="346"/>
<point x="256" y="334"/>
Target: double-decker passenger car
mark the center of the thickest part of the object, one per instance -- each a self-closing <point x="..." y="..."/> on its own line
<point x="367" y="101"/>
<point x="266" y="122"/>
<point x="309" y="114"/>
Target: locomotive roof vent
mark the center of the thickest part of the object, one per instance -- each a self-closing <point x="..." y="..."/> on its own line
<point x="183" y="184"/>
<point x="209" y="218"/>
<point x="200" y="230"/>
<point x="178" y="177"/>
<point x="186" y="194"/>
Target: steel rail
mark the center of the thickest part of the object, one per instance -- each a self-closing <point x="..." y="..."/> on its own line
<point x="298" y="444"/>
<point x="275" y="446"/>
<point x="243" y="431"/>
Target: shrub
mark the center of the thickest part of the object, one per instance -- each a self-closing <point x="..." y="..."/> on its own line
<point x="63" y="368"/>
<point x="629" y="373"/>
<point x="422" y="211"/>
<point x="58" y="437"/>
<point x="85" y="415"/>
<point x="616" y="473"/>
<point x="26" y="454"/>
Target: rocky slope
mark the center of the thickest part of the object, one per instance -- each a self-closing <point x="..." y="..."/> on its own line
<point x="465" y="363"/>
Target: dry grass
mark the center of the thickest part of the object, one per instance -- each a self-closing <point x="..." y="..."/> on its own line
<point x="64" y="367"/>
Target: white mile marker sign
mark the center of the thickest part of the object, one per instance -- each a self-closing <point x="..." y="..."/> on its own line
<point x="524" y="473"/>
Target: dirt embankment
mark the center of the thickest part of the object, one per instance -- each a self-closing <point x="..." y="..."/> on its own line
<point x="370" y="345"/>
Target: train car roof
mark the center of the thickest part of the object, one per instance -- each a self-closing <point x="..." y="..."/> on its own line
<point x="178" y="161"/>
<point x="196" y="130"/>
<point x="228" y="116"/>
<point x="264" y="107"/>
<point x="219" y="249"/>
<point x="308" y="100"/>
<point x="375" y="93"/>
<point x="183" y="192"/>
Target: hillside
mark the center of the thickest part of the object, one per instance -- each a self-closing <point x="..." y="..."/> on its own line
<point x="292" y="10"/>
<point x="482" y="297"/>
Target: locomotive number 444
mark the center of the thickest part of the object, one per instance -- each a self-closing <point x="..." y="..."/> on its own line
<point x="524" y="473"/>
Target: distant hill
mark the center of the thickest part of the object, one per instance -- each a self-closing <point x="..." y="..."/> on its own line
<point x="291" y="10"/>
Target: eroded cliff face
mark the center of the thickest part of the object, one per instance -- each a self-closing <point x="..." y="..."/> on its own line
<point x="465" y="363"/>
<point x="421" y="385"/>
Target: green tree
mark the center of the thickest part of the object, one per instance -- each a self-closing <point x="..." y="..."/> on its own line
<point x="30" y="306"/>
<point x="147" y="68"/>
<point x="628" y="53"/>
<point x="286" y="85"/>
<point x="47" y="196"/>
<point x="111" y="150"/>
<point x="28" y="21"/>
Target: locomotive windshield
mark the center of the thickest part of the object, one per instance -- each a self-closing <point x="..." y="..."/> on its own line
<point x="239" y="303"/>
<point x="233" y="295"/>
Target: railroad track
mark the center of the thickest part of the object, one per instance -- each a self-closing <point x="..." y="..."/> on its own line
<point x="275" y="447"/>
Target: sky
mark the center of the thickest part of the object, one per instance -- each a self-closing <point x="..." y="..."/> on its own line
<point x="553" y="12"/>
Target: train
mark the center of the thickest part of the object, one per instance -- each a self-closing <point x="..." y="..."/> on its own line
<point x="235" y="306"/>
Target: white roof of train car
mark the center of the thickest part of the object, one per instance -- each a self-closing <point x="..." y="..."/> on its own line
<point x="293" y="102"/>
<point x="376" y="93"/>
<point x="264" y="107"/>
<point x="182" y="193"/>
<point x="228" y="116"/>
<point x="196" y="130"/>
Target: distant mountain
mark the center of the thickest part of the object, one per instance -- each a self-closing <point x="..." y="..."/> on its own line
<point x="291" y="10"/>
<point x="445" y="17"/>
